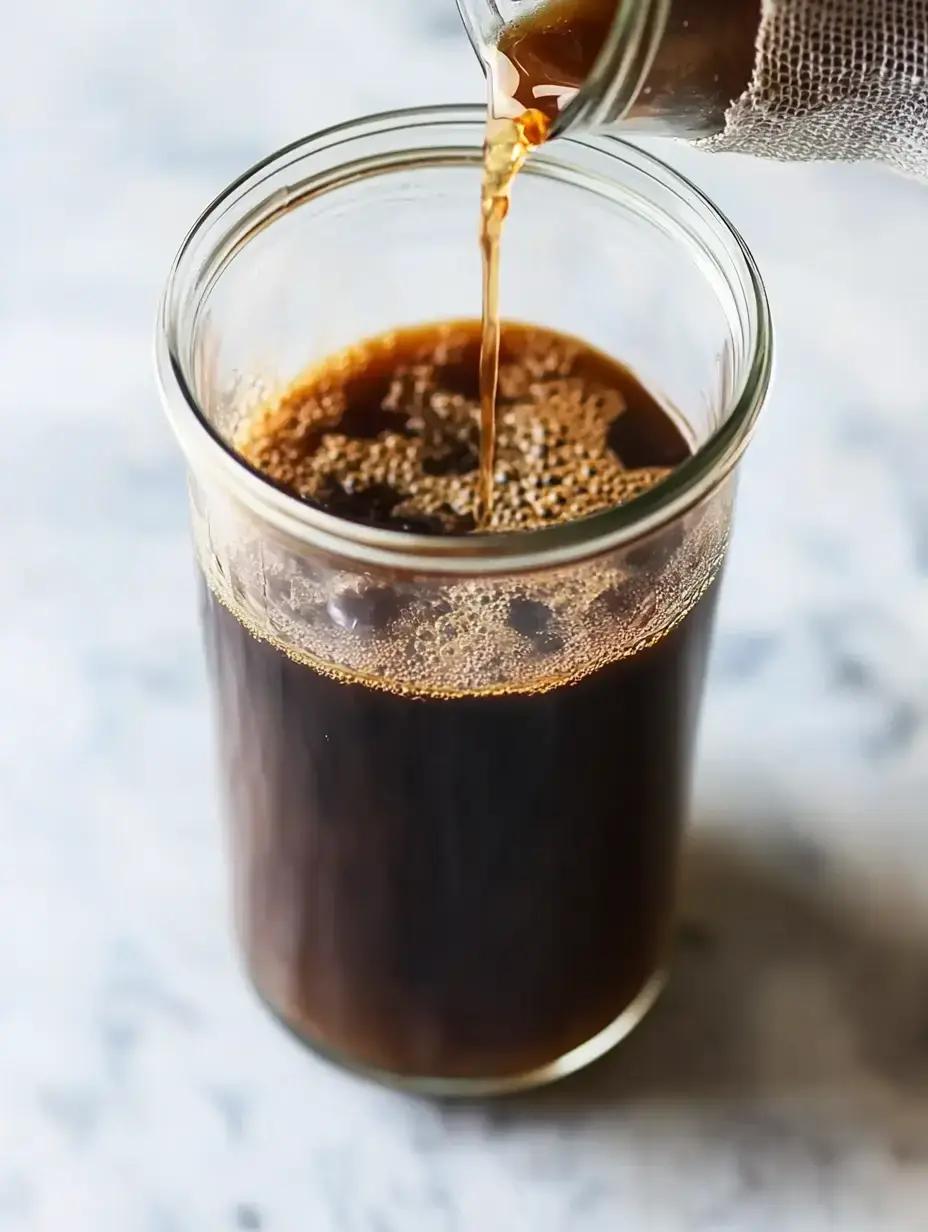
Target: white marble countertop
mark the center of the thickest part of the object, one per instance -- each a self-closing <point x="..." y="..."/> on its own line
<point x="783" y="1083"/>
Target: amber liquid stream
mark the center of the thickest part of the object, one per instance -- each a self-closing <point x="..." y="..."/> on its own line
<point x="508" y="144"/>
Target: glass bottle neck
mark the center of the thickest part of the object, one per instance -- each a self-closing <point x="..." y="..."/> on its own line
<point x="665" y="67"/>
<point x="611" y="93"/>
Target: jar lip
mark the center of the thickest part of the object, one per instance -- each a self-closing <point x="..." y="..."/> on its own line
<point x="545" y="547"/>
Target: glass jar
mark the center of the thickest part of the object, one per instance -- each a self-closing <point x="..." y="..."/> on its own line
<point x="658" y="67"/>
<point x="456" y="769"/>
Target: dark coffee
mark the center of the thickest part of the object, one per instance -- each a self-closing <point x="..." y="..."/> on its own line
<point x="388" y="432"/>
<point x="463" y="886"/>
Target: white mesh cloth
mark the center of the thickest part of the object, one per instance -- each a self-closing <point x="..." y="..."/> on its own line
<point x="837" y="80"/>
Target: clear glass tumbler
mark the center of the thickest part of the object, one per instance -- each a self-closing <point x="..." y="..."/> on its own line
<point x="456" y="769"/>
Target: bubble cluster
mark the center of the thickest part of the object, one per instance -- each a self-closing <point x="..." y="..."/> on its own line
<point x="388" y="433"/>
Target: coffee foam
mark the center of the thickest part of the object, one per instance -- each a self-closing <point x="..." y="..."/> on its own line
<point x="456" y="638"/>
<point x="436" y="636"/>
<point x="553" y="463"/>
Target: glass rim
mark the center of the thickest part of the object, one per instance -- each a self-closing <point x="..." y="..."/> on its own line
<point x="545" y="547"/>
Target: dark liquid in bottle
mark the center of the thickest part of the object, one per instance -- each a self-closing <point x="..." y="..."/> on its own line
<point x="703" y="62"/>
<point x="465" y="886"/>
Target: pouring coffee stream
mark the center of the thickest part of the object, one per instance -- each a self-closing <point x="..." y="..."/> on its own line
<point x="508" y="143"/>
<point x="810" y="80"/>
<point x="845" y="80"/>
<point x="538" y="68"/>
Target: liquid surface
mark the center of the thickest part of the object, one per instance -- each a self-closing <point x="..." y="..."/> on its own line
<point x="388" y="432"/>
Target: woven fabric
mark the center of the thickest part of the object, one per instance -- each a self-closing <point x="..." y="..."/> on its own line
<point x="840" y="80"/>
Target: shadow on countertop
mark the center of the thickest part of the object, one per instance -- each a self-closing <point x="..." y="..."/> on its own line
<point x="791" y="983"/>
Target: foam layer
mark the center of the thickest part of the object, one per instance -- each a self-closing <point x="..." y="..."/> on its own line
<point x="396" y="444"/>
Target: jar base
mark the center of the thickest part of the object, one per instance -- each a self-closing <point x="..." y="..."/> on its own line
<point x="572" y="1062"/>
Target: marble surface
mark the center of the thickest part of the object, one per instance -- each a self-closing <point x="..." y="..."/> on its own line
<point x="783" y="1083"/>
